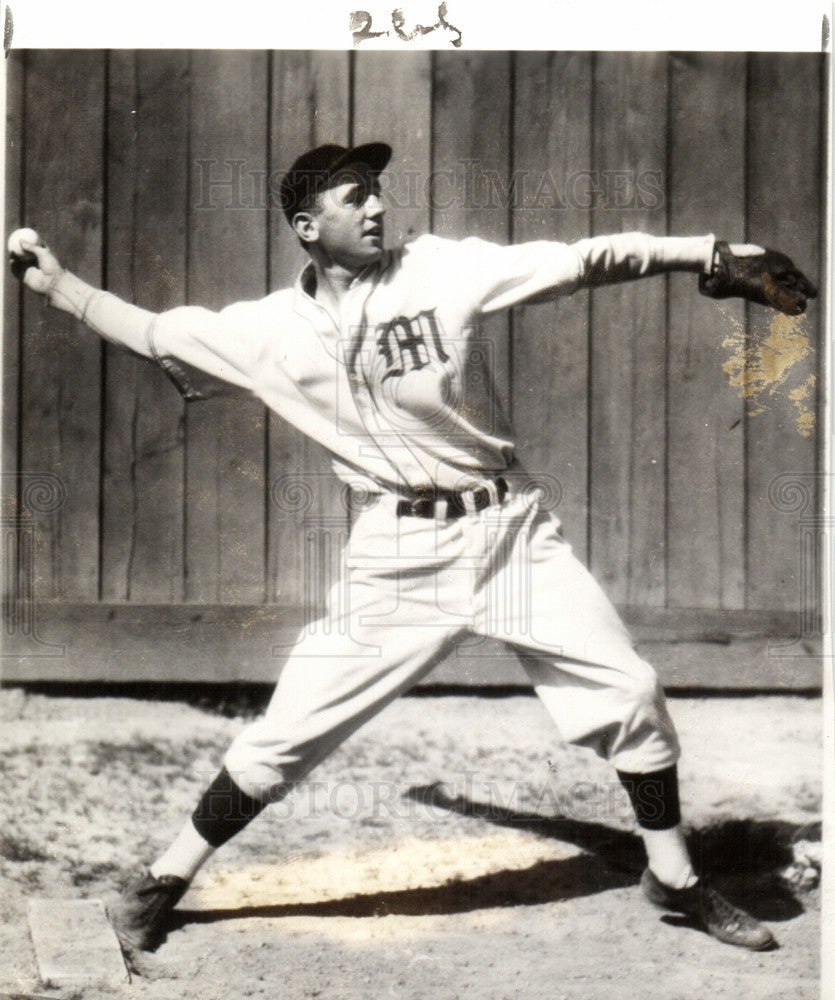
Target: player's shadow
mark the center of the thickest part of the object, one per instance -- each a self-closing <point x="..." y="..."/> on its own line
<point x="543" y="882"/>
<point x="743" y="858"/>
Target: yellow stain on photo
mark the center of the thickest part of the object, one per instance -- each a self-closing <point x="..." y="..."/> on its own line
<point x="763" y="363"/>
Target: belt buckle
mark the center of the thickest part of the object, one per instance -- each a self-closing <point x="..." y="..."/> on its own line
<point x="481" y="497"/>
<point x="422" y="507"/>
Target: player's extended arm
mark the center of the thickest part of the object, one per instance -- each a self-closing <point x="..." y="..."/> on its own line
<point x="111" y="317"/>
<point x="745" y="270"/>
<point x="188" y="342"/>
<point x="543" y="270"/>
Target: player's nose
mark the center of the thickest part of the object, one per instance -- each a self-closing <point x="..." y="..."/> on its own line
<point x="374" y="207"/>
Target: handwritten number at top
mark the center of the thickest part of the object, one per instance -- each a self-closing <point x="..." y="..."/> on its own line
<point x="360" y="22"/>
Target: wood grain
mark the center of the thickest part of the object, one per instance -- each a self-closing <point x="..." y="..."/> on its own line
<point x="227" y="227"/>
<point x="180" y="645"/>
<point x="144" y="448"/>
<point x="12" y="312"/>
<point x="628" y="355"/>
<point x="784" y="212"/>
<point x="706" y="470"/>
<point x="624" y="396"/>
<point x="60" y="360"/>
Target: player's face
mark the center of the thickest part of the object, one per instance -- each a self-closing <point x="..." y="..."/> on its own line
<point x="349" y="220"/>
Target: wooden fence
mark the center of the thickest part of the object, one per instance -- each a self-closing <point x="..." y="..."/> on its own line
<point x="154" y="174"/>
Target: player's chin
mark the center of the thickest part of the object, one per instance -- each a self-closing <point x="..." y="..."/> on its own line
<point x="367" y="250"/>
<point x="372" y="247"/>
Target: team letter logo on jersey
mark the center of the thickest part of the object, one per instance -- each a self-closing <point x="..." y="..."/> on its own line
<point x="410" y="344"/>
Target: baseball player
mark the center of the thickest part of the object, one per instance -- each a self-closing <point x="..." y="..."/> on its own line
<point x="373" y="354"/>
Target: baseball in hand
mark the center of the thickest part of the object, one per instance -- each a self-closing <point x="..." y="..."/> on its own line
<point x="18" y="238"/>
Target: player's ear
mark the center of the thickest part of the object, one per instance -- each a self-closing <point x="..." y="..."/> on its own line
<point x="306" y="227"/>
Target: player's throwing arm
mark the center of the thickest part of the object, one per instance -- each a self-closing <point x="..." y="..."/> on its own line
<point x="744" y="270"/>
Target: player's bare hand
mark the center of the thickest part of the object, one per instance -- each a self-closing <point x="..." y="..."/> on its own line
<point x="31" y="262"/>
<point x="765" y="276"/>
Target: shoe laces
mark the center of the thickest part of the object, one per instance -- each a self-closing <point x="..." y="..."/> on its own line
<point x="730" y="916"/>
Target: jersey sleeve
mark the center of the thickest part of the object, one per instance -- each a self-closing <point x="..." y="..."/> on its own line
<point x="625" y="256"/>
<point x="189" y="342"/>
<point x="542" y="270"/>
<point x="506" y="276"/>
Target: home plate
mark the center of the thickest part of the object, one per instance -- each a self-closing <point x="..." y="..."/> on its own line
<point x="75" y="944"/>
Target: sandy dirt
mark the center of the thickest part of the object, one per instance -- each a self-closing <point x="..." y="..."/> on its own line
<point x="452" y="848"/>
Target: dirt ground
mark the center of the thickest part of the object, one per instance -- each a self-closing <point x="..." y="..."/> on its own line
<point x="452" y="848"/>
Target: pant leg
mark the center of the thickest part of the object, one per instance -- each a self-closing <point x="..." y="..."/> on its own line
<point x="392" y="616"/>
<point x="616" y="709"/>
<point x="538" y="597"/>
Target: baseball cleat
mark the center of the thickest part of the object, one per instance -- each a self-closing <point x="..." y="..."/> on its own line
<point x="714" y="914"/>
<point x="141" y="917"/>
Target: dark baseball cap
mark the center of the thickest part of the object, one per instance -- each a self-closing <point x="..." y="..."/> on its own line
<point x="313" y="170"/>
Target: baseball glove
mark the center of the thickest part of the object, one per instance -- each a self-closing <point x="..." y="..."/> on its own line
<point x="764" y="276"/>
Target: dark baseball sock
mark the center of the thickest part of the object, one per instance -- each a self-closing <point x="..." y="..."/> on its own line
<point x="654" y="797"/>
<point x="224" y="810"/>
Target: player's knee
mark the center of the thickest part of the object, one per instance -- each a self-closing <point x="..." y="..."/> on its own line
<point x="260" y="778"/>
<point x="643" y="687"/>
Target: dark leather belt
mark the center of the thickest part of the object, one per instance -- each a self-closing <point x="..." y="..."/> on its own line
<point x="427" y="504"/>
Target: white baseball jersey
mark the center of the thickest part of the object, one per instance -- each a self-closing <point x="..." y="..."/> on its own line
<point x="399" y="386"/>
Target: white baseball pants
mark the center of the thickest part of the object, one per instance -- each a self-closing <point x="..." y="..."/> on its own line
<point x="409" y="587"/>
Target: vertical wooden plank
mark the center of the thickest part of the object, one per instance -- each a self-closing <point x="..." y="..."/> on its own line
<point x="706" y="468"/>
<point x="12" y="298"/>
<point x="628" y="335"/>
<point x="471" y="134"/>
<point x="61" y="361"/>
<point x="393" y="104"/>
<point x="142" y="516"/>
<point x="785" y="210"/>
<point x="225" y="486"/>
<point x="552" y="115"/>
<point x="310" y="100"/>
